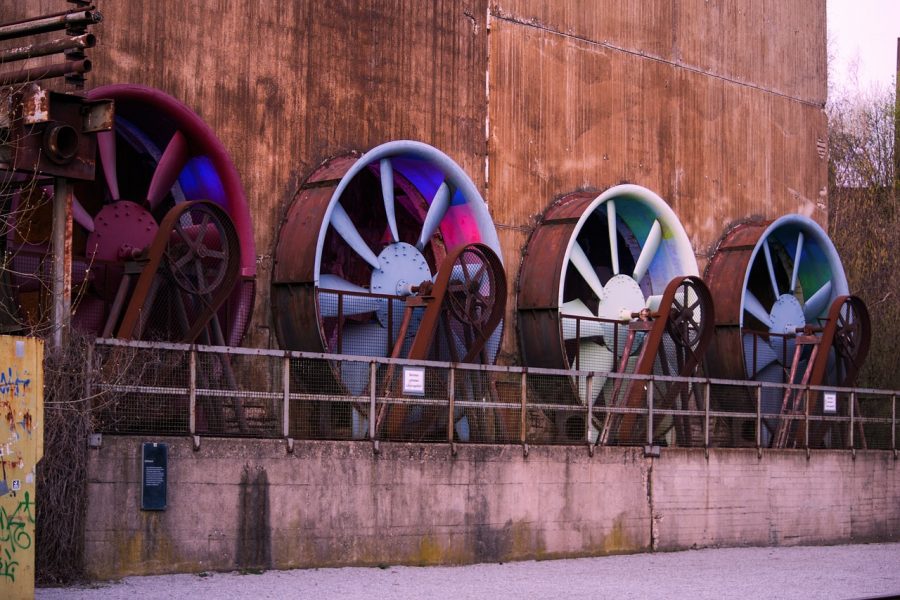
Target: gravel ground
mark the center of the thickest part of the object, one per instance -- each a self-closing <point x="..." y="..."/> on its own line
<point x="859" y="571"/>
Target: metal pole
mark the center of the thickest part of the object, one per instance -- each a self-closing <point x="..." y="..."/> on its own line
<point x="286" y="396"/>
<point x="451" y="396"/>
<point x="759" y="416"/>
<point x="62" y="262"/>
<point x="706" y="415"/>
<point x="852" y="423"/>
<point x="894" y="401"/>
<point x="373" y="381"/>
<point x="650" y="412"/>
<point x="523" y="419"/>
<point x="192" y="392"/>
<point x="589" y="392"/>
<point x="806" y="421"/>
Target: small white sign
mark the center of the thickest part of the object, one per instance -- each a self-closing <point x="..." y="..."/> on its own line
<point x="414" y="381"/>
<point x="830" y="402"/>
<point x="16" y="485"/>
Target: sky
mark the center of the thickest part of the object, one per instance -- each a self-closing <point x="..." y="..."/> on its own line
<point x="864" y="32"/>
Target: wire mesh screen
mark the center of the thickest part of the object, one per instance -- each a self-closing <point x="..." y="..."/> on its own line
<point x="322" y="396"/>
<point x="145" y="387"/>
<point x="873" y="413"/>
<point x="733" y="419"/>
<point x="238" y="395"/>
<point x="143" y="390"/>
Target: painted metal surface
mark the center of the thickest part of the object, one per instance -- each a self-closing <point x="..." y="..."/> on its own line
<point x="21" y="447"/>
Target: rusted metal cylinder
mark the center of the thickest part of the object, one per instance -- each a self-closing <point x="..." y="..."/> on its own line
<point x="79" y="42"/>
<point x="44" y="24"/>
<point x="40" y="73"/>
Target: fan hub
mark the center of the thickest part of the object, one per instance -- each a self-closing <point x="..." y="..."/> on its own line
<point x="401" y="266"/>
<point x="621" y="296"/>
<point x="786" y="315"/>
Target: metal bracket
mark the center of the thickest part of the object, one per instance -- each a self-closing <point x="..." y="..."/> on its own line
<point x="376" y="450"/>
<point x="807" y="454"/>
<point x="452" y="448"/>
<point x="289" y="445"/>
<point x="196" y="442"/>
<point x="590" y="450"/>
<point x="95" y="440"/>
<point x="525" y="450"/>
<point x="653" y="452"/>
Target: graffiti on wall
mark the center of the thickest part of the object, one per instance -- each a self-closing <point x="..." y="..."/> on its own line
<point x="21" y="441"/>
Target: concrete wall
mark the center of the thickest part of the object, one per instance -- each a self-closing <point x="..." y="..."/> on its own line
<point x="239" y="503"/>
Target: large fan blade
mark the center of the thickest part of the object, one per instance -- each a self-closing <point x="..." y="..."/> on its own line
<point x="797" y="255"/>
<point x="753" y="306"/>
<point x="341" y="222"/>
<point x="351" y="304"/>
<point x="387" y="193"/>
<point x="771" y="269"/>
<point x="594" y="357"/>
<point x="578" y="328"/>
<point x="817" y="303"/>
<point x="81" y="216"/>
<point x="586" y="269"/>
<point x="613" y="237"/>
<point x="439" y="205"/>
<point x="106" y="141"/>
<point x="651" y="245"/>
<point x="765" y="355"/>
<point x="172" y="161"/>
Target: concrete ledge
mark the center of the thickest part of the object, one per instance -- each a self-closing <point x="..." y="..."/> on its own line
<point x="250" y="504"/>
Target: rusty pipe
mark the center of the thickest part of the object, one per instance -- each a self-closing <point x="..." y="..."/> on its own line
<point x="44" y="24"/>
<point x="80" y="42"/>
<point x="37" y="73"/>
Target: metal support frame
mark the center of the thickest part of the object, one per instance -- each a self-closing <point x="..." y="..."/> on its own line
<point x="192" y="392"/>
<point x="61" y="314"/>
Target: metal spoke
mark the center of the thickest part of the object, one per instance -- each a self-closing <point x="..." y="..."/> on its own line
<point x="651" y="245"/>
<point x="797" y="255"/>
<point x="769" y="266"/>
<point x="172" y="161"/>
<point x="439" y="205"/>
<point x="755" y="308"/>
<point x="613" y="237"/>
<point x="584" y="267"/>
<point x="387" y="194"/>
<point x="345" y="228"/>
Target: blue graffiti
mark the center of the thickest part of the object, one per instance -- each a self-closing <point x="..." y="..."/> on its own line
<point x="12" y="385"/>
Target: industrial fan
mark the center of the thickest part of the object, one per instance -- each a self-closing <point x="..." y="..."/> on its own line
<point x="784" y="315"/>
<point x="610" y="258"/>
<point x="361" y="236"/>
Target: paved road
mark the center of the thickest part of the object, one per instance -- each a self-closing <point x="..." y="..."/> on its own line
<point x="859" y="571"/>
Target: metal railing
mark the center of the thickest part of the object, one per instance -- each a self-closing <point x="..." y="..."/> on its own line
<point x="175" y="389"/>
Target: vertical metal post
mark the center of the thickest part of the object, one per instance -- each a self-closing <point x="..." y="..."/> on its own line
<point x="373" y="382"/>
<point x="523" y="423"/>
<point x="451" y="397"/>
<point x="806" y="421"/>
<point x="286" y="395"/>
<point x="192" y="392"/>
<point x="650" y="412"/>
<point x="707" y="395"/>
<point x="852" y="418"/>
<point x="589" y="402"/>
<point x="577" y="342"/>
<point x="61" y="316"/>
<point x="759" y="389"/>
<point x="894" y="396"/>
